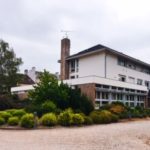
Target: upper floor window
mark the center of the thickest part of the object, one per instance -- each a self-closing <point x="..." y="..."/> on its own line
<point x="147" y="83"/>
<point x="121" y="62"/>
<point x="139" y="81"/>
<point x="72" y="77"/>
<point x="130" y="65"/>
<point x="74" y="65"/>
<point x="122" y="78"/>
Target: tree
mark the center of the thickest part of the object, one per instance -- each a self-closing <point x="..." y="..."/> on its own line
<point x="49" y="89"/>
<point x="9" y="66"/>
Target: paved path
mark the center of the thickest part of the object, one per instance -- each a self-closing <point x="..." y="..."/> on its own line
<point x="120" y="136"/>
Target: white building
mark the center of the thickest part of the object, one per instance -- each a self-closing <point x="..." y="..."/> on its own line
<point x="106" y="75"/>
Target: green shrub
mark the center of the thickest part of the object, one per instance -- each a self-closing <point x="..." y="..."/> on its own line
<point x="57" y="111"/>
<point x="105" y="116"/>
<point x="95" y="116"/>
<point x="147" y="111"/>
<point x="48" y="106"/>
<point x="135" y="113"/>
<point x="13" y="121"/>
<point x="11" y="111"/>
<point x="88" y="120"/>
<point x="5" y="115"/>
<point x="114" y="118"/>
<point x="124" y="115"/>
<point x="100" y="117"/>
<point x="2" y="121"/>
<point x="65" y="117"/>
<point x="27" y="121"/>
<point x="18" y="113"/>
<point x="49" y="119"/>
<point x="77" y="119"/>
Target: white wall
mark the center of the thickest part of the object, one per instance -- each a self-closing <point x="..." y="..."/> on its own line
<point x="113" y="69"/>
<point x="95" y="65"/>
<point x="92" y="65"/>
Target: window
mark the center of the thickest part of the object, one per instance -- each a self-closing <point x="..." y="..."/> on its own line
<point x="147" y="83"/>
<point x="97" y="95"/>
<point x="98" y="85"/>
<point x="127" y="90"/>
<point x="105" y="87"/>
<point x="77" y="65"/>
<point x="139" y="81"/>
<point x="120" y="89"/>
<point x="104" y="95"/>
<point x="114" y="88"/>
<point x="72" y="66"/>
<point x="72" y="77"/>
<point x="121" y="62"/>
<point x="131" y="66"/>
<point x="127" y="97"/>
<point x="122" y="78"/>
<point x="132" y="97"/>
<point x="119" y="97"/>
<point x="114" y="96"/>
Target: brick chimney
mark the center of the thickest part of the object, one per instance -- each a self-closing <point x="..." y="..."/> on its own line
<point x="65" y="52"/>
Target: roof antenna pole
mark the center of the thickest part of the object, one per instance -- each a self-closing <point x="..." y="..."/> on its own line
<point x="66" y="33"/>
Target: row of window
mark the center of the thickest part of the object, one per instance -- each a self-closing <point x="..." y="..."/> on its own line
<point x="118" y="96"/>
<point x="123" y="78"/>
<point x="128" y="103"/>
<point x="112" y="88"/>
<point x="131" y="65"/>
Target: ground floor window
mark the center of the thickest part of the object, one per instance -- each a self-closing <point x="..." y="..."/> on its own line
<point x="104" y="95"/>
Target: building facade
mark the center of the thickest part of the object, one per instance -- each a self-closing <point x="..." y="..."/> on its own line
<point x="106" y="75"/>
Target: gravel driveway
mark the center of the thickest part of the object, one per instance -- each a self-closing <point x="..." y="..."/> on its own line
<point x="120" y="136"/>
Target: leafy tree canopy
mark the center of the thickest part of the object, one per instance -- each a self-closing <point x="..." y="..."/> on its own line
<point x="9" y="66"/>
<point x="49" y="89"/>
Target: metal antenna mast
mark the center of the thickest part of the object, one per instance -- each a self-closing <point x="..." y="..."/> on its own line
<point x="66" y="32"/>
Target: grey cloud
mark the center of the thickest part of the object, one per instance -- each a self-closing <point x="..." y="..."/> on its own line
<point x="33" y="28"/>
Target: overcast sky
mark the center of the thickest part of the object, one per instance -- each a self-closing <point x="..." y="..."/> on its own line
<point x="33" y="28"/>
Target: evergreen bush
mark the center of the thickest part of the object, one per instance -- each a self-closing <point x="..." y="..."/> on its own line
<point x="19" y="113"/>
<point x="65" y="117"/>
<point x="2" y="121"/>
<point x="27" y="121"/>
<point x="77" y="119"/>
<point x="48" y="106"/>
<point x="95" y="116"/>
<point x="13" y="121"/>
<point x="48" y="119"/>
<point x="114" y="118"/>
<point x="5" y="115"/>
<point x="88" y="120"/>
